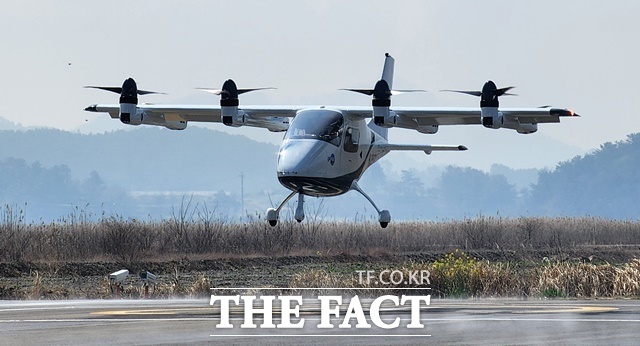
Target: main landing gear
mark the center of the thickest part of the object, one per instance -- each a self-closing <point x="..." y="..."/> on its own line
<point x="384" y="217"/>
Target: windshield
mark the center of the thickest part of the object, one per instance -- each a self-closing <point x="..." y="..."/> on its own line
<point x="321" y="125"/>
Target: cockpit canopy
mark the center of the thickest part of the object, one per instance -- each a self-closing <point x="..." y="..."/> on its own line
<point x="316" y="124"/>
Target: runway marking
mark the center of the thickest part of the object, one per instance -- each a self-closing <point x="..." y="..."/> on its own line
<point x="572" y="309"/>
<point x="37" y="308"/>
<point x="318" y="335"/>
<point x="501" y="319"/>
<point x="525" y="309"/>
<point x="216" y="311"/>
<point x="485" y="309"/>
<point x="101" y="320"/>
<point x="448" y="319"/>
<point x="169" y="311"/>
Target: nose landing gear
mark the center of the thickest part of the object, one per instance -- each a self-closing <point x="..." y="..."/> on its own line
<point x="274" y="214"/>
<point x="300" y="209"/>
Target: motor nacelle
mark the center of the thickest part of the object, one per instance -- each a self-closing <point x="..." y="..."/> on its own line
<point x="383" y="117"/>
<point x="428" y="129"/>
<point x="130" y="114"/>
<point x="229" y="113"/>
<point x="233" y="117"/>
<point x="526" y="129"/>
<point x="175" y="125"/>
<point x="493" y="122"/>
<point x="489" y="104"/>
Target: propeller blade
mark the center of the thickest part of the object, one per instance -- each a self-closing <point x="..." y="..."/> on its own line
<point x="212" y="91"/>
<point x="367" y="92"/>
<point x="503" y="91"/>
<point x="398" y="92"/>
<point x="498" y="92"/>
<point x="370" y="92"/>
<point x="147" y="92"/>
<point x="118" y="90"/>
<point x="472" y="93"/>
<point x="240" y="91"/>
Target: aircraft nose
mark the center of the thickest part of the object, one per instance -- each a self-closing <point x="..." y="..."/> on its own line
<point x="303" y="158"/>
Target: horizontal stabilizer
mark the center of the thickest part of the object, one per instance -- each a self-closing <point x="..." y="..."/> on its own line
<point x="428" y="149"/>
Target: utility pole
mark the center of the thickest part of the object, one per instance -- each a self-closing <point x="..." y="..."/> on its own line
<point x="242" y="195"/>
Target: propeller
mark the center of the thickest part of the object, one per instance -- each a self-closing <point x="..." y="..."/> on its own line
<point x="129" y="87"/>
<point x="489" y="94"/>
<point x="383" y="91"/>
<point x="229" y="102"/>
<point x="382" y="94"/>
<point x="230" y="91"/>
<point x="129" y="113"/>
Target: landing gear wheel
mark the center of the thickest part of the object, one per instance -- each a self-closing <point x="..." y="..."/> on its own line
<point x="272" y="217"/>
<point x="384" y="217"/>
<point x="273" y="214"/>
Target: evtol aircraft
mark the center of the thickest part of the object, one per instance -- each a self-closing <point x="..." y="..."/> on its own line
<point x="326" y="149"/>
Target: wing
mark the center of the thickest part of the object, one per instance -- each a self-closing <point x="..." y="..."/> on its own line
<point x="463" y="116"/>
<point x="273" y="118"/>
<point x="276" y="118"/>
<point x="427" y="119"/>
<point x="209" y="113"/>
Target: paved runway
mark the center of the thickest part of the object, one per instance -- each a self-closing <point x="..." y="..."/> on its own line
<point x="454" y="322"/>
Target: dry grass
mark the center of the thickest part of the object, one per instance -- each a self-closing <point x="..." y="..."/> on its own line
<point x="79" y="237"/>
<point x="196" y="235"/>
<point x="458" y="275"/>
<point x="585" y="280"/>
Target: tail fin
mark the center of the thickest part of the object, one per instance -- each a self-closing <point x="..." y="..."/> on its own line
<point x="387" y="70"/>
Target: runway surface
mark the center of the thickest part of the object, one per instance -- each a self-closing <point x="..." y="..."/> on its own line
<point x="453" y="322"/>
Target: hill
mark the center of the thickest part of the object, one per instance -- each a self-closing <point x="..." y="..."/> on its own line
<point x="154" y="173"/>
<point x="148" y="158"/>
<point x="605" y="182"/>
<point x="145" y="172"/>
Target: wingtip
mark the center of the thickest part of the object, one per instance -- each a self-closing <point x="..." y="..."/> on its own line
<point x="563" y="112"/>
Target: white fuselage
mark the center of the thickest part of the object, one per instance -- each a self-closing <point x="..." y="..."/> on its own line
<point x="323" y="152"/>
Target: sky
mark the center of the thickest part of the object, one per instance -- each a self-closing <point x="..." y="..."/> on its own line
<point x="578" y="54"/>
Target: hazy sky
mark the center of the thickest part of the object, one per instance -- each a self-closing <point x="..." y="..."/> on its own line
<point x="575" y="54"/>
